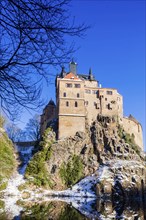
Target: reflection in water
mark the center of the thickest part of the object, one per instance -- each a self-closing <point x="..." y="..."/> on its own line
<point x="77" y="209"/>
<point x="69" y="208"/>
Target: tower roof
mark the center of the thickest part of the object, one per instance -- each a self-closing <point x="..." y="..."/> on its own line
<point x="51" y="102"/>
<point x="63" y="73"/>
<point x="90" y="77"/>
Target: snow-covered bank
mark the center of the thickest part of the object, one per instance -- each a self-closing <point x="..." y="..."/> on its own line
<point x="81" y="196"/>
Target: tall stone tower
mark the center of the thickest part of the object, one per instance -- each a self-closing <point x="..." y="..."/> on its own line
<point x="70" y="104"/>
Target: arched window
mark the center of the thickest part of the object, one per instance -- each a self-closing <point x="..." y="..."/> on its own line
<point x="67" y="103"/>
<point x="64" y="94"/>
<point x="78" y="95"/>
<point x="76" y="104"/>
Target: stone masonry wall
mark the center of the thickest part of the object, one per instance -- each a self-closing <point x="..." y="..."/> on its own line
<point x="69" y="125"/>
<point x="135" y="128"/>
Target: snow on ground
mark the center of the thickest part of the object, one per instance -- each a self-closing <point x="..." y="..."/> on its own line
<point x="80" y="196"/>
<point x="12" y="194"/>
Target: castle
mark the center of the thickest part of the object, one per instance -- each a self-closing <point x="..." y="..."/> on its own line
<point x="80" y="98"/>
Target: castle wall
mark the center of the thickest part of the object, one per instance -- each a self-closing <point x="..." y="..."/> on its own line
<point x="69" y="125"/>
<point x="92" y="104"/>
<point x="91" y="84"/>
<point x="111" y="102"/>
<point x="102" y="101"/>
<point x="135" y="128"/>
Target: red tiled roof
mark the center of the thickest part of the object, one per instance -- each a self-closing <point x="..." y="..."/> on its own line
<point x="71" y="76"/>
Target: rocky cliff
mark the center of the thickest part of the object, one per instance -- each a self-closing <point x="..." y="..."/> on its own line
<point x="105" y="150"/>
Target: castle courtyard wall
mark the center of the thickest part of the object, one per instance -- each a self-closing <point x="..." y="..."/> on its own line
<point x="135" y="128"/>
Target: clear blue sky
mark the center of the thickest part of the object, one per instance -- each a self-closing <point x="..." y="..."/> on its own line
<point x="114" y="47"/>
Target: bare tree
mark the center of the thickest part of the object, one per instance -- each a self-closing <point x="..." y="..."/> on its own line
<point x="33" y="128"/>
<point x="15" y="133"/>
<point x="32" y="37"/>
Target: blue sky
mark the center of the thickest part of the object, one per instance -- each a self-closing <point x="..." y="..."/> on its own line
<point x="114" y="47"/>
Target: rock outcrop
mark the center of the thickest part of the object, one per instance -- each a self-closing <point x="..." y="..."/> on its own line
<point x="105" y="149"/>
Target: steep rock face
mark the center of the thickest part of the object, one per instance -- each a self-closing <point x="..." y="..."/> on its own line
<point x="63" y="151"/>
<point x="104" y="143"/>
<point x="105" y="149"/>
<point x="124" y="171"/>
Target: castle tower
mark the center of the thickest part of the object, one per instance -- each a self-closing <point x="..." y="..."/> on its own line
<point x="63" y="73"/>
<point x="49" y="113"/>
<point x="73" y="67"/>
<point x="70" y="104"/>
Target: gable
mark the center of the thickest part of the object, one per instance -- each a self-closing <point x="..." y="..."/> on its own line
<point x="71" y="76"/>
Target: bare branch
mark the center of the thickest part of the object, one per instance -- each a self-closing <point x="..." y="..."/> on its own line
<point x="32" y="37"/>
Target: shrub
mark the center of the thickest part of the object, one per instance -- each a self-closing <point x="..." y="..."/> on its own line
<point x="7" y="159"/>
<point x="37" y="166"/>
<point x="37" y="169"/>
<point x="3" y="186"/>
<point x="71" y="172"/>
<point x="2" y="204"/>
<point x="2" y="121"/>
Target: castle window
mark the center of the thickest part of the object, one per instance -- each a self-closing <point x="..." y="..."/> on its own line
<point x="86" y="103"/>
<point x="108" y="107"/>
<point x="67" y="103"/>
<point x="64" y="94"/>
<point x="88" y="91"/>
<point x="78" y="95"/>
<point x="95" y="104"/>
<point x="68" y="85"/>
<point x="113" y="101"/>
<point x="76" y="104"/>
<point x="94" y="91"/>
<point x="77" y="86"/>
<point x="105" y="99"/>
<point x="109" y="92"/>
<point x="98" y="106"/>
